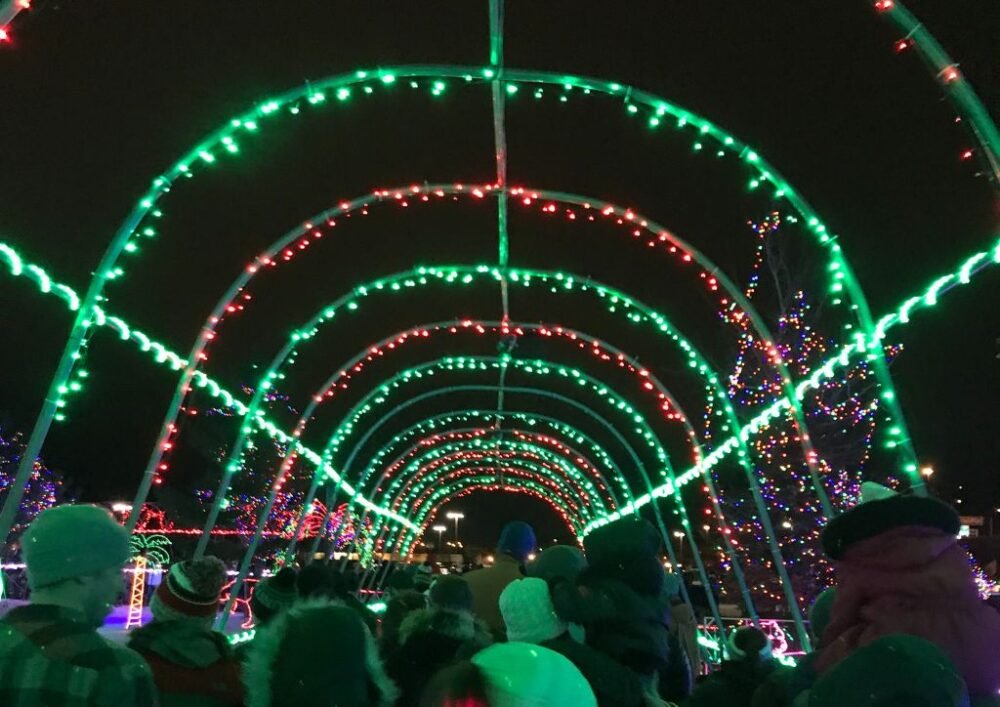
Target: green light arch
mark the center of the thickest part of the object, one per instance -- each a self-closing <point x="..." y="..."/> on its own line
<point x="416" y="471"/>
<point x="222" y="139"/>
<point x="483" y="439"/>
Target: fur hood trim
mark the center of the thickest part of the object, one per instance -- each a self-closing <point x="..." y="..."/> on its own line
<point x="266" y="645"/>
<point x="459" y="625"/>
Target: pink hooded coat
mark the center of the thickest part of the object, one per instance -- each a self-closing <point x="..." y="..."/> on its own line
<point x="900" y="570"/>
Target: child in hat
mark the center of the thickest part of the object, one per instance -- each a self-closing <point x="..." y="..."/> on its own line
<point x="192" y="664"/>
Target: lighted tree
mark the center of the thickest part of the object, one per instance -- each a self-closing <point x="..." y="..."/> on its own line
<point x="841" y="415"/>
<point x="45" y="486"/>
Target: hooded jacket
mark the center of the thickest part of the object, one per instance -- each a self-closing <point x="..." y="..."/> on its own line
<point x="632" y="629"/>
<point x="191" y="664"/>
<point x="614" y="685"/>
<point x="316" y="654"/>
<point x="733" y="685"/>
<point x="900" y="570"/>
<point x="431" y="639"/>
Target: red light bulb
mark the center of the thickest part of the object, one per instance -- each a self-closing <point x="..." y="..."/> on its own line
<point x="4" y="35"/>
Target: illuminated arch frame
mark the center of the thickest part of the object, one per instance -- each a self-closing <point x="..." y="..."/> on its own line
<point x="885" y="6"/>
<point x="575" y="474"/>
<point x="421" y="331"/>
<point x="425" y="468"/>
<point x="314" y="93"/>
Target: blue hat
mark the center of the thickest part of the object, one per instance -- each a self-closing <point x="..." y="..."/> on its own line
<point x="517" y="539"/>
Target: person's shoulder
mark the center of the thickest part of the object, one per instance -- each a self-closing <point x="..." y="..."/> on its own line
<point x="126" y="657"/>
<point x="477" y="576"/>
<point x="126" y="678"/>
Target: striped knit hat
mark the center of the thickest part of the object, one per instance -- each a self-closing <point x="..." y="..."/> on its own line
<point x="192" y="588"/>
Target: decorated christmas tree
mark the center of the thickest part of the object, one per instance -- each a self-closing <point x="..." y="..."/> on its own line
<point x="841" y="416"/>
<point x="45" y="486"/>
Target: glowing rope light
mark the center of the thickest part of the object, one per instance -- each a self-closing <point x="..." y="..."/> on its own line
<point x="136" y="595"/>
<point x="661" y="490"/>
<point x="448" y="274"/>
<point x="379" y="396"/>
<point x="445" y="420"/>
<point x="431" y="449"/>
<point x="426" y="471"/>
<point x="961" y="94"/>
<point x="508" y="472"/>
<point x="426" y="474"/>
<point x="161" y="185"/>
<point x="488" y="483"/>
<point x="611" y="429"/>
<point x="603" y="350"/>
<point x="978" y="265"/>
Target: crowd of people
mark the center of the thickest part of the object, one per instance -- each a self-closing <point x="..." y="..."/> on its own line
<point x="904" y="625"/>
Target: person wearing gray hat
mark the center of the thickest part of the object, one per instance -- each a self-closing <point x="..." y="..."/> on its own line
<point x="50" y="651"/>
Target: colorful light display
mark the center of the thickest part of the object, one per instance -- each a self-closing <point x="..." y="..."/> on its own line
<point x="755" y="415"/>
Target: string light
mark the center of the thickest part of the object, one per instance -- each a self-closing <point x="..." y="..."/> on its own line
<point x="206" y="156"/>
<point x="974" y="265"/>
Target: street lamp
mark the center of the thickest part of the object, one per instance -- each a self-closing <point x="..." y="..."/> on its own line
<point x="439" y="529"/>
<point x="455" y="516"/>
<point x="680" y="553"/>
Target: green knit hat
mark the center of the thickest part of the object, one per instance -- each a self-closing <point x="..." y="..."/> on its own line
<point x="73" y="540"/>
<point x="274" y="594"/>
<point x="897" y="669"/>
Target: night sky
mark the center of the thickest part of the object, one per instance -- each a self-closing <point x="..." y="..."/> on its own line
<point x="99" y="96"/>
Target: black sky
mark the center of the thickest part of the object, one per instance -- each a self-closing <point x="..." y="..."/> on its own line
<point x="98" y="96"/>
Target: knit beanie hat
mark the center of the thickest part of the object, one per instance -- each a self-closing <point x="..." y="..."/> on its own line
<point x="627" y="551"/>
<point x="316" y="580"/>
<point x="893" y="670"/>
<point x="400" y="580"/>
<point x="274" y="594"/>
<point x="749" y="644"/>
<point x="819" y="612"/>
<point x="880" y="510"/>
<point x="525" y="675"/>
<point x="317" y="653"/>
<point x="190" y="588"/>
<point x="517" y="539"/>
<point x="528" y="613"/>
<point x="559" y="562"/>
<point x="72" y="540"/>
<point x="451" y="592"/>
<point x="671" y="585"/>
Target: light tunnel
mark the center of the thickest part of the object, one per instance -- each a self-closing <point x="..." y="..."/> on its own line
<point x="401" y="484"/>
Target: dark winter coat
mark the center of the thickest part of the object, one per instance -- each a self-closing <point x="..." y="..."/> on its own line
<point x="487" y="584"/>
<point x="784" y="685"/>
<point x="431" y="639"/>
<point x="614" y="685"/>
<point x="733" y="685"/>
<point x="192" y="665"/>
<point x="632" y="629"/>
